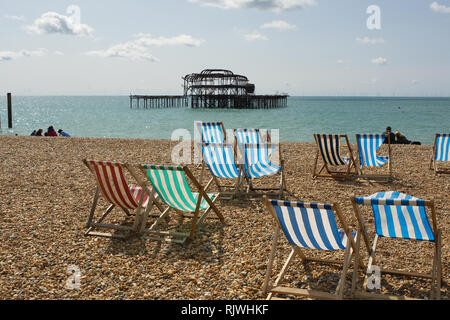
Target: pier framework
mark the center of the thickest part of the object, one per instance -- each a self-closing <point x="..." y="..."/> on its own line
<point x="213" y="88"/>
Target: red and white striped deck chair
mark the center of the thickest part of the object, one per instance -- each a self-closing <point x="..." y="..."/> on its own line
<point x="113" y="186"/>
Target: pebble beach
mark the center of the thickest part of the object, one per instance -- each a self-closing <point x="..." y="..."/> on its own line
<point x="46" y="194"/>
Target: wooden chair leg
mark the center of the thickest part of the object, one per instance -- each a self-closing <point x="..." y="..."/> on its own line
<point x="347" y="261"/>
<point x="93" y="207"/>
<point x="276" y="235"/>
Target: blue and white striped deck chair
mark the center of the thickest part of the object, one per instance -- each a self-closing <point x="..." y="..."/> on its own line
<point x="258" y="162"/>
<point x="309" y="226"/>
<point x="171" y="185"/>
<point x="221" y="163"/>
<point x="212" y="132"/>
<point x="398" y="216"/>
<point x="244" y="136"/>
<point x="441" y="152"/>
<point x="368" y="145"/>
<point x="328" y="147"/>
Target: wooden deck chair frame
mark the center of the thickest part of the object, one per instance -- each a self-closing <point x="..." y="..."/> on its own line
<point x="434" y="163"/>
<point x="196" y="217"/>
<point x="276" y="288"/>
<point x="376" y="177"/>
<point x="253" y="191"/>
<point x="225" y="194"/>
<point x="436" y="273"/>
<point x="335" y="174"/>
<point x="138" y="212"/>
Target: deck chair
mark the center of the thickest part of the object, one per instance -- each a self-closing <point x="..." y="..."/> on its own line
<point x="368" y="144"/>
<point x="220" y="160"/>
<point x="441" y="152"/>
<point x="328" y="147"/>
<point x="244" y="136"/>
<point x="310" y="226"/>
<point x="212" y="132"/>
<point x="112" y="185"/>
<point x="171" y="185"/>
<point x="258" y="162"/>
<point x="401" y="216"/>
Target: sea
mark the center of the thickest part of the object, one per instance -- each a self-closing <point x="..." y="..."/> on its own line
<point x="111" y="117"/>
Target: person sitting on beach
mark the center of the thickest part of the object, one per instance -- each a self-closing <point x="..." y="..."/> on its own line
<point x="62" y="133"/>
<point x="401" y="139"/>
<point x="39" y="133"/>
<point x="33" y="133"/>
<point x="51" y="132"/>
<point x="391" y="136"/>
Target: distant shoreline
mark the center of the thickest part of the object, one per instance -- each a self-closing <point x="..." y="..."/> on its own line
<point x="289" y="96"/>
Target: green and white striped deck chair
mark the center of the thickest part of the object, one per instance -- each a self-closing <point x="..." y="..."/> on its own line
<point x="171" y="185"/>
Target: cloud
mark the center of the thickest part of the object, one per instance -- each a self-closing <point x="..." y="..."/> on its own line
<point x="414" y="82"/>
<point x="183" y="39"/>
<point x="367" y="40"/>
<point x="12" y="55"/>
<point x="279" y="25"/>
<point x="138" y="49"/>
<point x="52" y="22"/>
<point x="379" y="61"/>
<point x="439" y="7"/>
<point x="14" y="17"/>
<point x="276" y="5"/>
<point x="254" y="36"/>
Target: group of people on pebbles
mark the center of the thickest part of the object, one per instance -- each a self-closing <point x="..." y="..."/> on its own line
<point x="398" y="138"/>
<point x="50" y="133"/>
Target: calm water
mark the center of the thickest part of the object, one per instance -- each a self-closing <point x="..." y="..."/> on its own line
<point x="417" y="118"/>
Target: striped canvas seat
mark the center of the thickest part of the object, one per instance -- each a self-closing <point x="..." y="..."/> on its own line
<point x="329" y="146"/>
<point x="112" y="184"/>
<point x="114" y="187"/>
<point x="257" y="160"/>
<point x="398" y="215"/>
<point x="442" y="151"/>
<point x="172" y="187"/>
<point x="310" y="225"/>
<point x="368" y="145"/>
<point x="212" y="132"/>
<point x="220" y="160"/>
<point x="247" y="136"/>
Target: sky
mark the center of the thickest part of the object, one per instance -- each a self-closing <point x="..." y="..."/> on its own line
<point x="300" y="47"/>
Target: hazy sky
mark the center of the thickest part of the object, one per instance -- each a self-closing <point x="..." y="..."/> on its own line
<point x="302" y="47"/>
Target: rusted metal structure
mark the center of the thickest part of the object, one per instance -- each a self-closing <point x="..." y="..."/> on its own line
<point x="219" y="88"/>
<point x="214" y="88"/>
